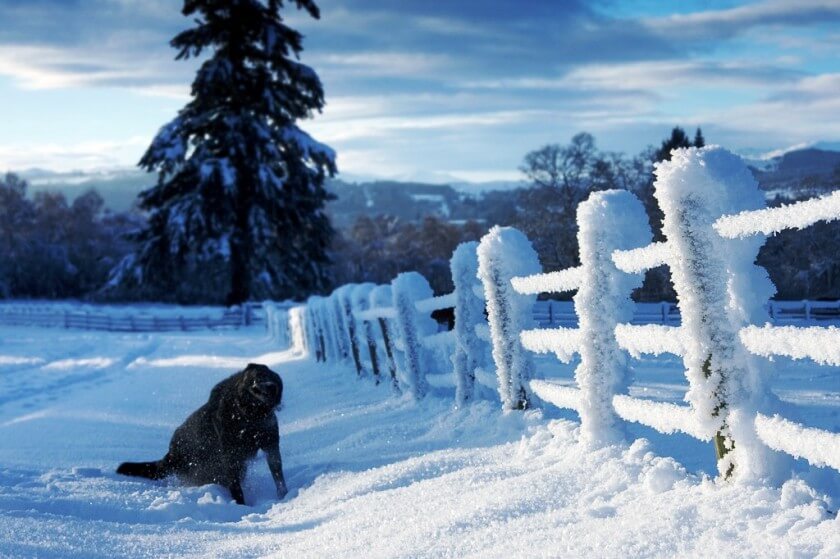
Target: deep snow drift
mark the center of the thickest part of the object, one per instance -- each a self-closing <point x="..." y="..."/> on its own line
<point x="371" y="474"/>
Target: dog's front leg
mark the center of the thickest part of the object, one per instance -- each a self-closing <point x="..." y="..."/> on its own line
<point x="275" y="464"/>
<point x="235" y="488"/>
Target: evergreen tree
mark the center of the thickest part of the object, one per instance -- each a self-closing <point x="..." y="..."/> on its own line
<point x="238" y="206"/>
<point x="699" y="140"/>
<point x="678" y="139"/>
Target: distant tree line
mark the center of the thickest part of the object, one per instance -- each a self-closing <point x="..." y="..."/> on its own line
<point x="52" y="248"/>
<point x="802" y="264"/>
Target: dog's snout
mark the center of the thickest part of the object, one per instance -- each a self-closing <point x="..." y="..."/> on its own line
<point x="268" y="388"/>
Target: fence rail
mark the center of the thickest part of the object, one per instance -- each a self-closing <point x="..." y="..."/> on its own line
<point x="713" y="212"/>
<point x="128" y="320"/>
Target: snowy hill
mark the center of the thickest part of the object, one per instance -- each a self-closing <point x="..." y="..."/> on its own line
<point x="118" y="187"/>
<point x="801" y="172"/>
<point x="797" y="171"/>
<point x="371" y="474"/>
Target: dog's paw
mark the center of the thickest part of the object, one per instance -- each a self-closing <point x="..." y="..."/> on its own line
<point x="281" y="492"/>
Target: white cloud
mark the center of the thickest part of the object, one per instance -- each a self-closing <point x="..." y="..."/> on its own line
<point x="727" y="23"/>
<point x="652" y="76"/>
<point x="379" y="64"/>
<point x="348" y="129"/>
<point x="82" y="156"/>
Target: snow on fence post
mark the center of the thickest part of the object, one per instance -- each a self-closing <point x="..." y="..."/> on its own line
<point x="315" y="303"/>
<point x="277" y="323"/>
<point x="323" y="310"/>
<point x="382" y="297"/>
<point x="505" y="252"/>
<point x="360" y="302"/>
<point x="469" y="312"/>
<point x="408" y="288"/>
<point x="720" y="291"/>
<point x="338" y="325"/>
<point x="297" y="328"/>
<point x="345" y="309"/>
<point x="607" y="221"/>
<point x="308" y="322"/>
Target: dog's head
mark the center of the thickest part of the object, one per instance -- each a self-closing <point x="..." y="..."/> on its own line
<point x="262" y="385"/>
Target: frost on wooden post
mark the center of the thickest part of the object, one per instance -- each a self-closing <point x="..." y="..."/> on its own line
<point x="297" y="327"/>
<point x="360" y="302"/>
<point x="408" y="288"/>
<point x="316" y="329"/>
<point x="323" y="310"/>
<point x="309" y="332"/>
<point x="607" y="221"/>
<point x="469" y="312"/>
<point x="505" y="253"/>
<point x="350" y="327"/>
<point x="338" y="324"/>
<point x="720" y="291"/>
<point x="381" y="298"/>
<point x="277" y="323"/>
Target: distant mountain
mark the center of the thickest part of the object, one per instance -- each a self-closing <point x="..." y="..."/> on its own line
<point x="798" y="173"/>
<point x="118" y="187"/>
<point x="792" y="172"/>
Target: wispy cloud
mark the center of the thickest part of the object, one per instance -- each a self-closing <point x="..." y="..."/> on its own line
<point x="721" y="24"/>
<point x="82" y="156"/>
<point x="468" y="85"/>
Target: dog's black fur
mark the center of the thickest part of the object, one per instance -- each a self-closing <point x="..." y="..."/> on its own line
<point x="216" y="442"/>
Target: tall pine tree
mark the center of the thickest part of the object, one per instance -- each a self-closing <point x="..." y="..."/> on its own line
<point x="699" y="140"/>
<point x="238" y="207"/>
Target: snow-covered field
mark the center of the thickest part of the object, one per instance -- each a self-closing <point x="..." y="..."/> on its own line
<point x="372" y="474"/>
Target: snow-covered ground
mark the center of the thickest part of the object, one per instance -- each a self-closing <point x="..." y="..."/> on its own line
<point x="372" y="474"/>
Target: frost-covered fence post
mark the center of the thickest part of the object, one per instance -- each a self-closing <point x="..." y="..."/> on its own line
<point x="277" y="323"/>
<point x="322" y="325"/>
<point x="720" y="291"/>
<point x="323" y="309"/>
<point x="309" y="335"/>
<point x="408" y="288"/>
<point x="346" y="311"/>
<point x="338" y="325"/>
<point x="504" y="253"/>
<point x="381" y="297"/>
<point x="469" y="312"/>
<point x="360" y="302"/>
<point x="317" y="328"/>
<point x="607" y="221"/>
<point x="298" y="328"/>
<point x="272" y="323"/>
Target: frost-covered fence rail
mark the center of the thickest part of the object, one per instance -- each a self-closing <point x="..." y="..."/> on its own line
<point x="714" y="220"/>
<point x="118" y="319"/>
<point x="387" y="331"/>
<point x="821" y="344"/>
<point x="715" y="223"/>
<point x="607" y="221"/>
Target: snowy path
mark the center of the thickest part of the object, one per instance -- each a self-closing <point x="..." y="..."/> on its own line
<point x="371" y="474"/>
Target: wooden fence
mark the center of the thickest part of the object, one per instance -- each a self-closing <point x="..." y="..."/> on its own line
<point x="720" y="323"/>
<point x="118" y="319"/>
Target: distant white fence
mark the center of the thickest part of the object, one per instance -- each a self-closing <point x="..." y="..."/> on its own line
<point x="714" y="219"/>
<point x="128" y="319"/>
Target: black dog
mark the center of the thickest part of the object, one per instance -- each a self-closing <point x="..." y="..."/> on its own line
<point x="215" y="443"/>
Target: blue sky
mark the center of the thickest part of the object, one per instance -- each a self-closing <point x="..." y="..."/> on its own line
<point x="421" y="88"/>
